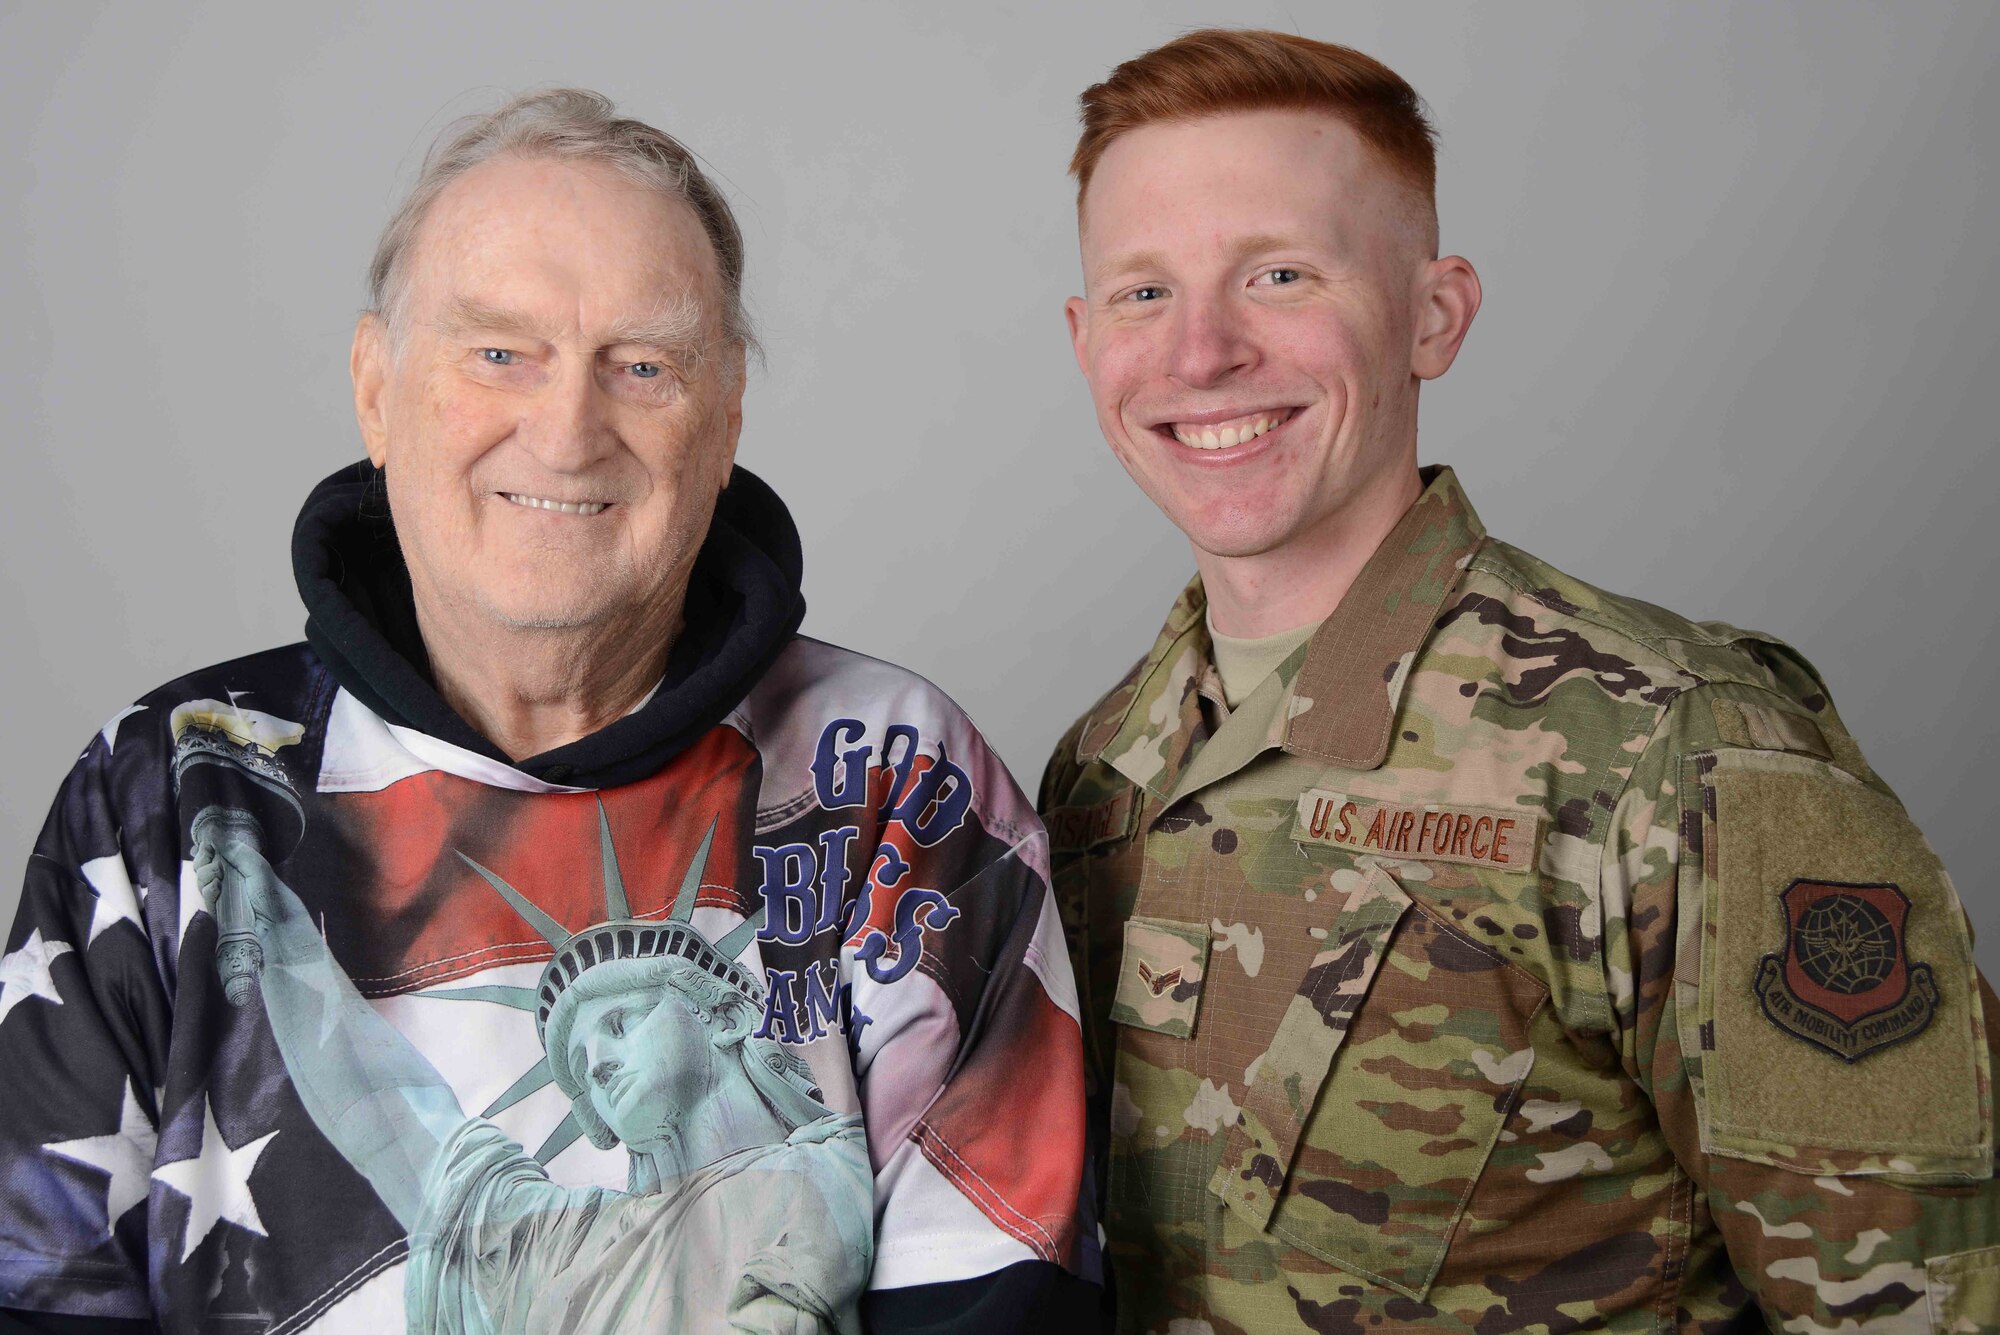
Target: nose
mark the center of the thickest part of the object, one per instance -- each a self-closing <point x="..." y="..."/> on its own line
<point x="602" y="1071"/>
<point x="567" y="426"/>
<point x="1210" y="342"/>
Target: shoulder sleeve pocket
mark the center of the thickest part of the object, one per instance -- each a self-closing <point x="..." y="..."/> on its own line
<point x="1839" y="1021"/>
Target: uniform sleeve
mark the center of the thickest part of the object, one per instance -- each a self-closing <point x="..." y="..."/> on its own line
<point x="972" y="1079"/>
<point x="83" y="1031"/>
<point x="1794" y="989"/>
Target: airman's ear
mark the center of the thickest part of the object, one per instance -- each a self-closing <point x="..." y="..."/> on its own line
<point x="1447" y="298"/>
<point x="368" y="365"/>
<point x="1077" y="312"/>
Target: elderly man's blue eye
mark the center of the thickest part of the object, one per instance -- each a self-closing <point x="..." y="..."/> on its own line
<point x="497" y="356"/>
<point x="645" y="370"/>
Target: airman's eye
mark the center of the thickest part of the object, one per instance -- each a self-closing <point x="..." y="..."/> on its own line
<point x="497" y="356"/>
<point x="1145" y="294"/>
<point x="1280" y="277"/>
<point x="646" y="370"/>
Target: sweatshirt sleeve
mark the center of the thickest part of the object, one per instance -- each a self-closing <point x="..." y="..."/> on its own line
<point x="84" y="1022"/>
<point x="970" y="1059"/>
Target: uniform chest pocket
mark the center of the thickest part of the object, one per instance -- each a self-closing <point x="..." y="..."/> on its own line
<point x="1384" y="1092"/>
<point x="1159" y="980"/>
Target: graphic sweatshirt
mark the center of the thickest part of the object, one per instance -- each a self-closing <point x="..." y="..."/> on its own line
<point x="749" y="1011"/>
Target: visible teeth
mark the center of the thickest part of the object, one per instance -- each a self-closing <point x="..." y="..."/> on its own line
<point x="560" y="507"/>
<point x="1208" y="438"/>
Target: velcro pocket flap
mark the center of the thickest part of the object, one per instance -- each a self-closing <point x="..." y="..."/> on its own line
<point x="1159" y="980"/>
<point x="1257" y="1151"/>
<point x="1840" y="1023"/>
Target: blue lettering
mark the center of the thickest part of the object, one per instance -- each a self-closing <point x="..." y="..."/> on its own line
<point x="791" y="913"/>
<point x="833" y="873"/>
<point x="899" y="763"/>
<point x="840" y="778"/>
<point x="779" y="1021"/>
<point x="828" y="1001"/>
<point x="828" y="1007"/>
<point x="889" y="865"/>
<point x="936" y="803"/>
<point x="930" y="805"/>
<point x="854" y="915"/>
<point x="915" y="910"/>
<point x="856" y="1022"/>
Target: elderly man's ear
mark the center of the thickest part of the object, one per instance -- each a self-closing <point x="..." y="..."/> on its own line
<point x="368" y="367"/>
<point x="734" y="371"/>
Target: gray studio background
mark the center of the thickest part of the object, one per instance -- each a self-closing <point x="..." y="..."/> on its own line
<point x="1738" y="352"/>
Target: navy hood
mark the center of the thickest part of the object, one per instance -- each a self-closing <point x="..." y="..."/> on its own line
<point x="743" y="607"/>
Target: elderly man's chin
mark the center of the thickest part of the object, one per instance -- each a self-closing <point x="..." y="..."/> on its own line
<point x="546" y="600"/>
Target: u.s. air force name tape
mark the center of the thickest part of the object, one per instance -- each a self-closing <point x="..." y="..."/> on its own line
<point x="1429" y="832"/>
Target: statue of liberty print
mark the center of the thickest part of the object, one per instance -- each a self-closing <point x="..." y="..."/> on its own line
<point x="749" y="1202"/>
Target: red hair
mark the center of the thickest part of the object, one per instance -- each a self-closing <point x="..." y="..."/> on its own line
<point x="1218" y="70"/>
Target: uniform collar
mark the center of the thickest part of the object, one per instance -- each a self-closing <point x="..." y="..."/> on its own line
<point x="1333" y="700"/>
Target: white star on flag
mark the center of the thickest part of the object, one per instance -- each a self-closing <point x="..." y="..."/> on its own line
<point x="110" y="730"/>
<point x="216" y="1183"/>
<point x="116" y="898"/>
<point x="25" y="973"/>
<point x="126" y="1154"/>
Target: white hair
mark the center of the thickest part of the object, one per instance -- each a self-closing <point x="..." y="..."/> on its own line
<point x="570" y="125"/>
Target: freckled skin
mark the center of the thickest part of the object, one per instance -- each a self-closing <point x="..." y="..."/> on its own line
<point x="1253" y="261"/>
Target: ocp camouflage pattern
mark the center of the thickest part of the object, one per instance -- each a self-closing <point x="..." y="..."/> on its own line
<point x="1442" y="1092"/>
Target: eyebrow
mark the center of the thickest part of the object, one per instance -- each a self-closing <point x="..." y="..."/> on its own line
<point x="676" y="325"/>
<point x="465" y="313"/>
<point x="1153" y="259"/>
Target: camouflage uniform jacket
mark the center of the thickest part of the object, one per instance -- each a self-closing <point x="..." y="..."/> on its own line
<point x="1518" y="957"/>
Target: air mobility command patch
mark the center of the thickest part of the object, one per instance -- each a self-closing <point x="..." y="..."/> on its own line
<point x="1844" y="980"/>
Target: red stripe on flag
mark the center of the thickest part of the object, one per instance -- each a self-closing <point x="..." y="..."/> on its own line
<point x="1008" y="1129"/>
<point x="402" y="912"/>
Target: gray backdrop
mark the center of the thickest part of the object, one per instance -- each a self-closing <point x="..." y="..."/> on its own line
<point x="1737" y="354"/>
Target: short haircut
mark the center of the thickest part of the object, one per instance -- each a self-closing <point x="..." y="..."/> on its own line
<point x="1217" y="70"/>
<point x="567" y="125"/>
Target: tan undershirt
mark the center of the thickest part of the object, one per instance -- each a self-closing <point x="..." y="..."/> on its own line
<point x="1243" y="664"/>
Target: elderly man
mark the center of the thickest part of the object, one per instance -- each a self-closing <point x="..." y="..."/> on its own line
<point x="556" y="940"/>
<point x="1462" y="946"/>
